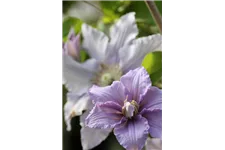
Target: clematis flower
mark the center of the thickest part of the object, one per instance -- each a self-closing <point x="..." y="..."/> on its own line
<point x="77" y="102"/>
<point x="131" y="106"/>
<point x="153" y="144"/>
<point x="110" y="59"/>
<point x="72" y="46"/>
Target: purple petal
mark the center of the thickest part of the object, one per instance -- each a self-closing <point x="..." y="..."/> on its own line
<point x="115" y="92"/>
<point x="154" y="118"/>
<point x="152" y="99"/>
<point x="76" y="42"/>
<point x="137" y="82"/>
<point x="104" y="115"/>
<point x="72" y="46"/>
<point x="133" y="133"/>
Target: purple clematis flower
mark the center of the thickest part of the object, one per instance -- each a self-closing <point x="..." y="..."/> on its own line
<point x="131" y="106"/>
<point x="110" y="59"/>
<point x="72" y="46"/>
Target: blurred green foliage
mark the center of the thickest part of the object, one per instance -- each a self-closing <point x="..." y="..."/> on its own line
<point x="69" y="23"/>
<point x="111" y="11"/>
<point x="153" y="64"/>
<point x="66" y="5"/>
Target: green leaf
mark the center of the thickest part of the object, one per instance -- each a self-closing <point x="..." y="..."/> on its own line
<point x="77" y="26"/>
<point x="156" y="77"/>
<point x="83" y="56"/>
<point x="152" y="62"/>
<point x="111" y="5"/>
<point x="159" y="5"/>
<point x="142" y="11"/>
<point x="109" y="16"/>
<point x="69" y="23"/>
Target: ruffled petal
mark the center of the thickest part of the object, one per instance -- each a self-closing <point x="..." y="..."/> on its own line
<point x="104" y="115"/>
<point x="94" y="42"/>
<point x="131" y="56"/>
<point x="74" y="106"/>
<point x="153" y="144"/>
<point x="91" y="138"/>
<point x="133" y="133"/>
<point x="121" y="33"/>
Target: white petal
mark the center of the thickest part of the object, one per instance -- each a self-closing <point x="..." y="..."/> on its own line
<point x="153" y="144"/>
<point x="91" y="138"/>
<point x="78" y="76"/>
<point x="122" y="33"/>
<point x="131" y="56"/>
<point x="95" y="42"/>
<point x="74" y="106"/>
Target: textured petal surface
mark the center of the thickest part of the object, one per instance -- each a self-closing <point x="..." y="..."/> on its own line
<point x="131" y="56"/>
<point x="152" y="99"/>
<point x="74" y="106"/>
<point x="137" y="82"/>
<point x="91" y="137"/>
<point x="116" y="93"/>
<point x="104" y="115"/>
<point x="122" y="33"/>
<point x="153" y="144"/>
<point x="154" y="118"/>
<point x="77" y="76"/>
<point x="133" y="133"/>
<point x="94" y="42"/>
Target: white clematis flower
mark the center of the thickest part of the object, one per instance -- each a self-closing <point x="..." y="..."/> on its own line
<point x="110" y="59"/>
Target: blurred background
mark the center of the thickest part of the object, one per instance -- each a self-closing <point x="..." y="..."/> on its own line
<point x="101" y="15"/>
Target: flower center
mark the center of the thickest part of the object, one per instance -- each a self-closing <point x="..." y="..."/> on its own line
<point x="130" y="109"/>
<point x="107" y="75"/>
<point x="107" y="79"/>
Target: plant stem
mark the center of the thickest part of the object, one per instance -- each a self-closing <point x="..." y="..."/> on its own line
<point x="155" y="14"/>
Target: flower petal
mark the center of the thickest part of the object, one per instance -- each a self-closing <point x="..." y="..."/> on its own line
<point x="133" y="133"/>
<point x="131" y="56"/>
<point x="115" y="92"/>
<point x="72" y="45"/>
<point x="91" y="137"/>
<point x="122" y="33"/>
<point x="71" y="34"/>
<point x="154" y="118"/>
<point x="104" y="115"/>
<point x="153" y="144"/>
<point x="152" y="99"/>
<point x="77" y="76"/>
<point x="74" y="106"/>
<point x="94" y="42"/>
<point x="137" y="82"/>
